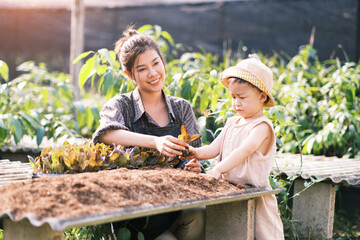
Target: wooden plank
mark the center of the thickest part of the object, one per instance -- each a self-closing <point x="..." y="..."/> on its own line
<point x="11" y="164"/>
<point x="76" y="41"/>
<point x="15" y="176"/>
<point x="14" y="171"/>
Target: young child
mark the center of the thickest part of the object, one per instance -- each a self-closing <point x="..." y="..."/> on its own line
<point x="246" y="145"/>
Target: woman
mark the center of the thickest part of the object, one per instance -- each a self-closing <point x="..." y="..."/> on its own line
<point x="147" y="117"/>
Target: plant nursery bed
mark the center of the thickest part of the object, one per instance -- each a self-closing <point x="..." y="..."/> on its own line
<point x="75" y="195"/>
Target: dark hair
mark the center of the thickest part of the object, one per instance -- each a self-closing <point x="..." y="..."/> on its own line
<point x="131" y="45"/>
<point x="232" y="80"/>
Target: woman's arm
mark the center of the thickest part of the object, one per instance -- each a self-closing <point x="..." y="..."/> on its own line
<point x="261" y="134"/>
<point x="167" y="145"/>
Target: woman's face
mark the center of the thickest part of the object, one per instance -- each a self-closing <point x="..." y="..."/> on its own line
<point x="149" y="71"/>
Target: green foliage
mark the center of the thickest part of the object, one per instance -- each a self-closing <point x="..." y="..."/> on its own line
<point x="83" y="233"/>
<point x="39" y="104"/>
<point x="345" y="228"/>
<point x="321" y="104"/>
<point x="4" y="71"/>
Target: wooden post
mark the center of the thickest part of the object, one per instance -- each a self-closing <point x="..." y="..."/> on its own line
<point x="357" y="39"/>
<point x="23" y="230"/>
<point x="313" y="209"/>
<point x="234" y="220"/>
<point x="77" y="41"/>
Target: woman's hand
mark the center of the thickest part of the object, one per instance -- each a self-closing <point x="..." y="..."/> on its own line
<point x="193" y="166"/>
<point x="170" y="146"/>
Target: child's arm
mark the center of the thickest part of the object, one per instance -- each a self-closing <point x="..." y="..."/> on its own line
<point x="259" y="138"/>
<point x="212" y="150"/>
<point x="206" y="152"/>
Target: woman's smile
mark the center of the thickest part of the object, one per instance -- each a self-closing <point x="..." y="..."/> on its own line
<point x="155" y="82"/>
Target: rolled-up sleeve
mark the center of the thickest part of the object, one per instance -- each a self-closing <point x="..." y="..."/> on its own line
<point x="111" y="118"/>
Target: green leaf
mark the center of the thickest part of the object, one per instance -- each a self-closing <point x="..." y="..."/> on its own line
<point x="204" y="101"/>
<point x="140" y="236"/>
<point x="145" y="28"/>
<point x="108" y="81"/>
<point x="40" y="133"/>
<point x="168" y="37"/>
<point x="86" y="71"/>
<point x="81" y="56"/>
<point x="79" y="106"/>
<point x="108" y="57"/>
<point x="17" y="128"/>
<point x="4" y="71"/>
<point x="28" y="118"/>
<point x="124" y="234"/>
<point x="95" y="112"/>
<point x="157" y="29"/>
<point x="89" y="117"/>
<point x="26" y="66"/>
<point x="2" y="125"/>
<point x="214" y="73"/>
<point x="309" y="145"/>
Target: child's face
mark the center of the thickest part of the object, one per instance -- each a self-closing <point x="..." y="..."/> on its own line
<point x="246" y="100"/>
<point x="149" y="71"/>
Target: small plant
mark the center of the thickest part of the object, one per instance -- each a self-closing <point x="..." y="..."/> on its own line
<point x="185" y="137"/>
<point x="89" y="157"/>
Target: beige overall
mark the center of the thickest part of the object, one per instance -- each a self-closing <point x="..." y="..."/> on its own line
<point x="255" y="170"/>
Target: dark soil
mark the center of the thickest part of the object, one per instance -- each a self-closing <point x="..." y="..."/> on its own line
<point x="75" y="195"/>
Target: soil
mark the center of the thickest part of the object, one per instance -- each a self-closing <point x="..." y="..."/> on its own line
<point x="74" y="195"/>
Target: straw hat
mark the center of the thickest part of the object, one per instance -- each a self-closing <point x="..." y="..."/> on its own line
<point x="253" y="71"/>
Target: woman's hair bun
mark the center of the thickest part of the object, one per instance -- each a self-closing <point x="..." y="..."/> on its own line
<point x="130" y="31"/>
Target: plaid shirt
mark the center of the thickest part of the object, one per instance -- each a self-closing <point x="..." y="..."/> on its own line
<point x="123" y="110"/>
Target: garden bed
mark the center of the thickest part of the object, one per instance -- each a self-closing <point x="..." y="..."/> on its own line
<point x="74" y="195"/>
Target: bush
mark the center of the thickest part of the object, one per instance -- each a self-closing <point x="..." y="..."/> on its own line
<point x="321" y="101"/>
<point x="39" y="103"/>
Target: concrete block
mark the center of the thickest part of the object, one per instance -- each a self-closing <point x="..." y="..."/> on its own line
<point x="23" y="230"/>
<point x="234" y="220"/>
<point x="313" y="209"/>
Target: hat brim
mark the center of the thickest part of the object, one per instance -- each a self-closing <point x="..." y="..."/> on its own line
<point x="247" y="76"/>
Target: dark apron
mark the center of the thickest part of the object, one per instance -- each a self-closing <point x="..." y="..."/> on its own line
<point x="157" y="224"/>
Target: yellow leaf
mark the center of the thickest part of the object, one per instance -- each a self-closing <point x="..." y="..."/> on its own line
<point x="185" y="137"/>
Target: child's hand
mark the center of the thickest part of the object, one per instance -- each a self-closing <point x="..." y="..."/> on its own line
<point x="190" y="153"/>
<point x="213" y="173"/>
<point x="193" y="166"/>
